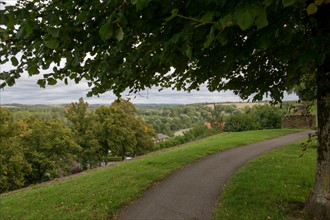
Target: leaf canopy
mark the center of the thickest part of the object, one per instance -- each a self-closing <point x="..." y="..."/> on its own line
<point x="251" y="47"/>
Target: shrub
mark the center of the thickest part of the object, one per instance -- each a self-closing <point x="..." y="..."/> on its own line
<point x="240" y="122"/>
<point x="268" y="117"/>
<point x="197" y="132"/>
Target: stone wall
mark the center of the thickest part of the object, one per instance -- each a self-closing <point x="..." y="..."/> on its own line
<point x="299" y="121"/>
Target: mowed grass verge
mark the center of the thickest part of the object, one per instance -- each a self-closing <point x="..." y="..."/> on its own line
<point x="102" y="193"/>
<point x="273" y="186"/>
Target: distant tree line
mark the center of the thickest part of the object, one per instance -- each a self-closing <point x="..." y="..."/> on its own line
<point x="43" y="112"/>
<point x="169" y="119"/>
<point x="229" y="118"/>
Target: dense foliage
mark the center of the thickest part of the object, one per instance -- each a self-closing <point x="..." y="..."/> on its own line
<point x="258" y="117"/>
<point x="35" y="150"/>
<point x="251" y="41"/>
<point x="169" y="119"/>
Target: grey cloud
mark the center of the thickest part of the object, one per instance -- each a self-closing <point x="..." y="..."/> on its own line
<point x="26" y="91"/>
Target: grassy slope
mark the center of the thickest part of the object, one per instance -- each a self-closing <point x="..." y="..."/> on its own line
<point x="99" y="194"/>
<point x="274" y="186"/>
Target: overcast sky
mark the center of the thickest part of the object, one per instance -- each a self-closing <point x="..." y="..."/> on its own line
<point x="26" y="91"/>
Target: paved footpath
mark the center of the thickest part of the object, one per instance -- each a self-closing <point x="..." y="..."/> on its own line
<point x="193" y="192"/>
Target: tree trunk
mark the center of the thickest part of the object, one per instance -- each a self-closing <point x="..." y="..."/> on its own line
<point x="123" y="152"/>
<point x="318" y="206"/>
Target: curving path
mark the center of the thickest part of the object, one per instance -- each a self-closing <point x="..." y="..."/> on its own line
<point x="193" y="192"/>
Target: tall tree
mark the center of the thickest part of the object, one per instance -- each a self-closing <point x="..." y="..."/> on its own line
<point x="13" y="164"/>
<point x="49" y="148"/>
<point x="123" y="133"/>
<point x="252" y="47"/>
<point x="86" y="128"/>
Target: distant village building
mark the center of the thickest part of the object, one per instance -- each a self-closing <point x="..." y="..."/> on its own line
<point x="181" y="132"/>
<point x="160" y="138"/>
<point x="210" y="125"/>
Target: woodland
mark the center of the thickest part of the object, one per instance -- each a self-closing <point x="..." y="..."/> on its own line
<point x="40" y="143"/>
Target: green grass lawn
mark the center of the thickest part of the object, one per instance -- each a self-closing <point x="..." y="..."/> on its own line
<point x="102" y="193"/>
<point x="273" y="186"/>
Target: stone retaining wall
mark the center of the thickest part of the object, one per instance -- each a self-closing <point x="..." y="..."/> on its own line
<point x="299" y="121"/>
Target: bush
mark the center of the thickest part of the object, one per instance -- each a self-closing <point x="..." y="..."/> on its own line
<point x="240" y="122"/>
<point x="268" y="117"/>
<point x="195" y="133"/>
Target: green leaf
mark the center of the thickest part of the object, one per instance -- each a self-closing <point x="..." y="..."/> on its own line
<point x="119" y="34"/>
<point x="3" y="18"/>
<point x="20" y="33"/>
<point x="106" y="31"/>
<point x="287" y="3"/>
<point x="268" y="2"/>
<point x="14" y="61"/>
<point x="69" y="4"/>
<point x="208" y="16"/>
<point x="311" y="9"/>
<point x="140" y="4"/>
<point x="52" y="43"/>
<point x="54" y="32"/>
<point x="261" y="20"/>
<point x="222" y="38"/>
<point x="174" y="13"/>
<point x="10" y="81"/>
<point x="41" y="83"/>
<point x="227" y="21"/>
<point x="82" y="16"/>
<point x="122" y="19"/>
<point x="11" y="21"/>
<point x="2" y="85"/>
<point x="33" y="70"/>
<point x="28" y="29"/>
<point x="188" y="51"/>
<point x="210" y="38"/>
<point x="51" y="81"/>
<point x="245" y="18"/>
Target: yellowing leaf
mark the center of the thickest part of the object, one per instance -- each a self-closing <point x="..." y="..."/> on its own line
<point x="119" y="34"/>
<point x="319" y="2"/>
<point x="311" y="9"/>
